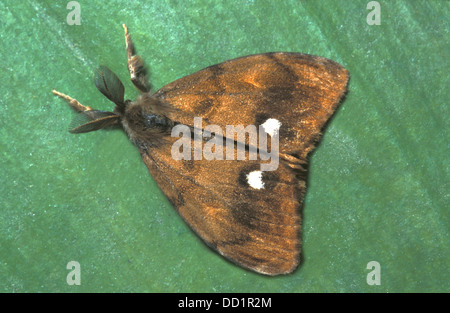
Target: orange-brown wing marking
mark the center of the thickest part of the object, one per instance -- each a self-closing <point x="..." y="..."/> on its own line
<point x="301" y="91"/>
<point x="255" y="228"/>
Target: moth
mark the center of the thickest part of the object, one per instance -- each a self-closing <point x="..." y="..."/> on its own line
<point x="249" y="216"/>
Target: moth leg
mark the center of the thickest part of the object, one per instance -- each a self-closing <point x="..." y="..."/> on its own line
<point x="72" y="102"/>
<point x="136" y="68"/>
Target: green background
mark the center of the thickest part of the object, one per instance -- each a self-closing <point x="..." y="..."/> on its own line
<point x="378" y="184"/>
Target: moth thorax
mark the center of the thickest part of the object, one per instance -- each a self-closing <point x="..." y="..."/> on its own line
<point x="146" y="129"/>
<point x="159" y="122"/>
<point x="142" y="119"/>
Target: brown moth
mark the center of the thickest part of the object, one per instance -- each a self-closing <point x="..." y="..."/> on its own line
<point x="251" y="217"/>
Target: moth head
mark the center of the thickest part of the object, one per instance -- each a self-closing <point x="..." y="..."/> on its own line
<point x="143" y="119"/>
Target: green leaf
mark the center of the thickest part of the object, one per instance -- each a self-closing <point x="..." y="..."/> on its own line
<point x="378" y="187"/>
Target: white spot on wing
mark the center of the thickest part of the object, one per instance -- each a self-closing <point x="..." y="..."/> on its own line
<point x="271" y="126"/>
<point x="254" y="179"/>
